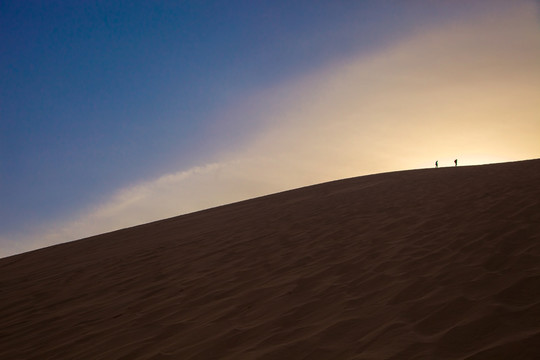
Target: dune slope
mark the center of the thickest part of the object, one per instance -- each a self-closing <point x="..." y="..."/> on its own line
<point x="423" y="264"/>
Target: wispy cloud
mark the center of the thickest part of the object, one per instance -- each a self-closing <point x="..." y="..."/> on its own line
<point x="467" y="90"/>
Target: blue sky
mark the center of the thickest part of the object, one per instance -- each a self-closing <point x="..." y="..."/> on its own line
<point x="118" y="113"/>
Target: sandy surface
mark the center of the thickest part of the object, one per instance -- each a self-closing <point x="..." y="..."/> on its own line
<point x="424" y="264"/>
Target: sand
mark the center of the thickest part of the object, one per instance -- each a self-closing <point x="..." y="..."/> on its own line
<point x="422" y="264"/>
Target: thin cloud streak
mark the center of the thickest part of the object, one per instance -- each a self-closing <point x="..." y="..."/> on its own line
<point x="468" y="90"/>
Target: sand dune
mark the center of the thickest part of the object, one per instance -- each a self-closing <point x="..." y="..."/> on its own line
<point x="423" y="264"/>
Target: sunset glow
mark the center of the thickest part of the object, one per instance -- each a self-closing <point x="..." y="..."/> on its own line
<point x="88" y="148"/>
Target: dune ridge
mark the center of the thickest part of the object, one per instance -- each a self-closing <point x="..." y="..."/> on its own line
<point x="421" y="264"/>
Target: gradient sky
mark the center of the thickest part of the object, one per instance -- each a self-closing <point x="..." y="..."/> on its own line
<point x="116" y="113"/>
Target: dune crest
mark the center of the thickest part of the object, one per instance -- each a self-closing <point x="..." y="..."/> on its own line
<point x="423" y="264"/>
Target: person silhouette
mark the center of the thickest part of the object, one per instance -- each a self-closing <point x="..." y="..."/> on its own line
<point x="437" y="163"/>
<point x="455" y="162"/>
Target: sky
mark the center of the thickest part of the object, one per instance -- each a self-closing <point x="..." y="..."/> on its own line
<point x="118" y="113"/>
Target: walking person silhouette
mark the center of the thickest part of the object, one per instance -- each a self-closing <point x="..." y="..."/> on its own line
<point x="455" y="162"/>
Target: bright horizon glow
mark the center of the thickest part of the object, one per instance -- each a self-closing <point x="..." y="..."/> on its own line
<point x="465" y="89"/>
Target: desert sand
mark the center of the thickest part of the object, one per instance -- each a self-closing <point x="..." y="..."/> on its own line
<point x="421" y="264"/>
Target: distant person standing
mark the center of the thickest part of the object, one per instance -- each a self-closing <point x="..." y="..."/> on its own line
<point x="437" y="163"/>
<point x="455" y="162"/>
